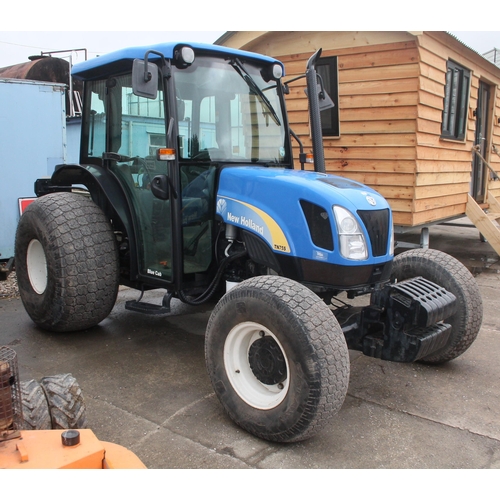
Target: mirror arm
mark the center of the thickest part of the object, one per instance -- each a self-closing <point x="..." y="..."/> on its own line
<point x="321" y="93"/>
<point x="147" y="74"/>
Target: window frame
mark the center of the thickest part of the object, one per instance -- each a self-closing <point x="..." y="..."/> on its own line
<point x="332" y="88"/>
<point x="455" y="107"/>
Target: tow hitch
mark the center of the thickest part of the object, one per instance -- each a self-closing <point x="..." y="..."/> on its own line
<point x="404" y="321"/>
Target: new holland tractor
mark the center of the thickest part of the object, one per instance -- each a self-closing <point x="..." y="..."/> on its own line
<point x="186" y="183"/>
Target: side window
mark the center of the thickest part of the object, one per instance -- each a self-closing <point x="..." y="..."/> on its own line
<point x="456" y="96"/>
<point x="328" y="70"/>
<point x="95" y="134"/>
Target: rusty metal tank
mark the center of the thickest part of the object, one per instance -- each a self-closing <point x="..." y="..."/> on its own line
<point x="39" y="68"/>
<point x="44" y="69"/>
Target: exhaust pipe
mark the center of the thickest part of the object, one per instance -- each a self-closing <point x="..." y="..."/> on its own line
<point x="319" y="100"/>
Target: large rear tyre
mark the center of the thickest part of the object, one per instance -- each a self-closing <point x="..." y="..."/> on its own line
<point x="66" y="262"/>
<point x="277" y="359"/>
<point x="446" y="271"/>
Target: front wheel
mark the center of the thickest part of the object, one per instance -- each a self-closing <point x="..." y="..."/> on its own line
<point x="66" y="262"/>
<point x="277" y="359"/>
<point x="448" y="272"/>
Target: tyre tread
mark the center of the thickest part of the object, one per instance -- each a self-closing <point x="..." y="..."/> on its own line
<point x="35" y="408"/>
<point x="65" y="401"/>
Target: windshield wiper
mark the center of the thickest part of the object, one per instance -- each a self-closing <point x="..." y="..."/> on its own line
<point x="236" y="64"/>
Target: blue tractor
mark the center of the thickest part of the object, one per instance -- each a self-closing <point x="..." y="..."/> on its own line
<point x="186" y="183"/>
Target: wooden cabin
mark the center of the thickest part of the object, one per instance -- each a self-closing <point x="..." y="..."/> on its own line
<point x="417" y="117"/>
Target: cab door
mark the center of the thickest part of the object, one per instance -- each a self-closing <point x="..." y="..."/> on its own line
<point x="126" y="130"/>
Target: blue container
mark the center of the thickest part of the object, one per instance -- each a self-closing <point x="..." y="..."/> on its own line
<point x="32" y="142"/>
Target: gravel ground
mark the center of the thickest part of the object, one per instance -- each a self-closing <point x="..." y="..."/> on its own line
<point x="8" y="288"/>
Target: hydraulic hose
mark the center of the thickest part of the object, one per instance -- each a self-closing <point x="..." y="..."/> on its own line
<point x="209" y="292"/>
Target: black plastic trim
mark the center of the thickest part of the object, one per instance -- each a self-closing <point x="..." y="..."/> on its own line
<point x="333" y="275"/>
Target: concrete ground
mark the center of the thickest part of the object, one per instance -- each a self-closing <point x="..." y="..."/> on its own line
<point x="146" y="388"/>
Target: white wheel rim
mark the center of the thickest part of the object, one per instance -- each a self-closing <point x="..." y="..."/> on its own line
<point x="37" y="266"/>
<point x="236" y="362"/>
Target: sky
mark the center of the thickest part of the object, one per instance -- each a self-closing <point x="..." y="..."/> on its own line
<point x="17" y="46"/>
<point x="101" y="26"/>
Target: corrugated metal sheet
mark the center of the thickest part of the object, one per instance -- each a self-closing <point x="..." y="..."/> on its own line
<point x="484" y="56"/>
<point x="493" y="56"/>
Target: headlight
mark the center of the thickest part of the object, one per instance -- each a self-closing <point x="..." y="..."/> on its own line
<point x="352" y="239"/>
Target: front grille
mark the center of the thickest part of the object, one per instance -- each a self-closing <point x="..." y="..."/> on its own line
<point x="377" y="225"/>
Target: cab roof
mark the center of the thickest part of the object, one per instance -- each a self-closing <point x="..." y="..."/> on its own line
<point x="107" y="64"/>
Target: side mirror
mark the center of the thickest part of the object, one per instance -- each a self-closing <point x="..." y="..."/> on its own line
<point x="159" y="187"/>
<point x="145" y="79"/>
<point x="325" y="101"/>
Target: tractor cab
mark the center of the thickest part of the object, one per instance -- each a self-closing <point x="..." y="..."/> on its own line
<point x="163" y="122"/>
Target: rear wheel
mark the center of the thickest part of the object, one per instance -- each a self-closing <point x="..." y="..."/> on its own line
<point x="277" y="359"/>
<point x="448" y="272"/>
<point x="66" y="262"/>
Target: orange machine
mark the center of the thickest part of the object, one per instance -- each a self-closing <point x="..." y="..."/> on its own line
<point x="46" y="436"/>
<point x="56" y="449"/>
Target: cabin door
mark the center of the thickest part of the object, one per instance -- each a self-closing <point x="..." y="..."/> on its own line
<point x="479" y="169"/>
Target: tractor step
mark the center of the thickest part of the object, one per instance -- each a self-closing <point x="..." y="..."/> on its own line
<point x="149" y="308"/>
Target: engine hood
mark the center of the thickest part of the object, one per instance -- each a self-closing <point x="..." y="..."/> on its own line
<point x="252" y="182"/>
<point x="268" y="201"/>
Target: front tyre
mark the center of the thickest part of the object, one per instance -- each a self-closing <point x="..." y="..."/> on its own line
<point x="448" y="272"/>
<point x="66" y="262"/>
<point x="277" y="359"/>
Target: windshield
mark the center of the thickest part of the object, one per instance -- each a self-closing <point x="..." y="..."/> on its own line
<point x="228" y="112"/>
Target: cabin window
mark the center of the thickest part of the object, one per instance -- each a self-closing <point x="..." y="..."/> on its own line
<point x="456" y="96"/>
<point x="328" y="70"/>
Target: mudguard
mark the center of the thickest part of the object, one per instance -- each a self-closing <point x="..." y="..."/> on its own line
<point x="102" y="185"/>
